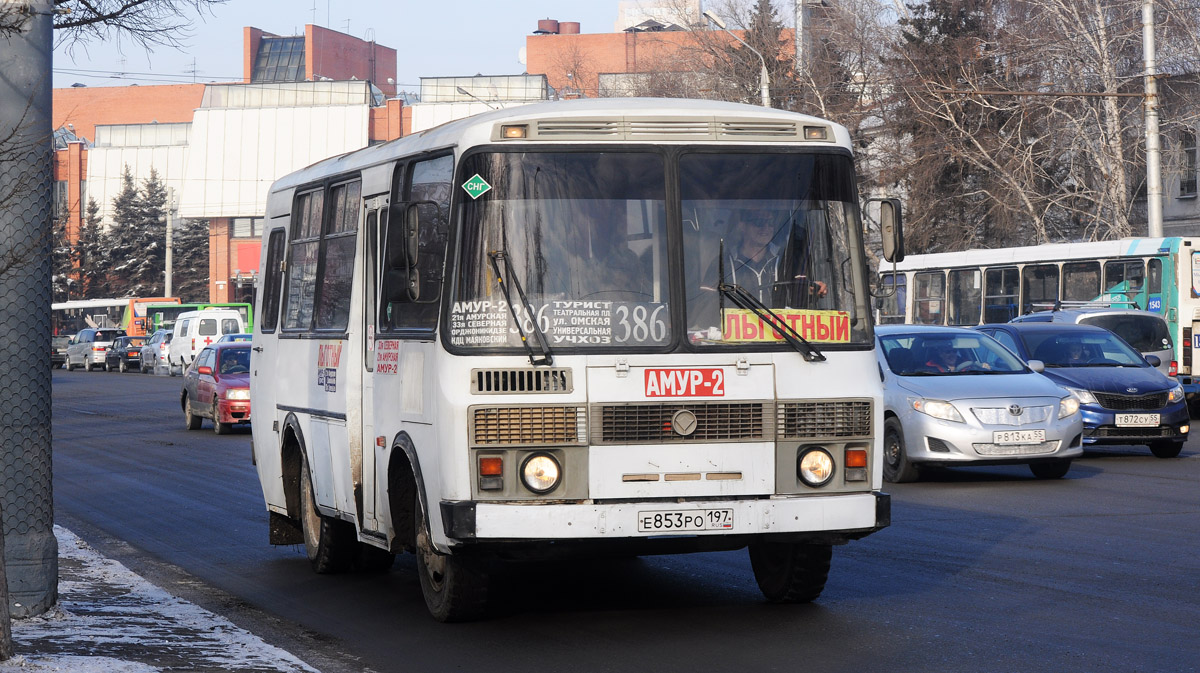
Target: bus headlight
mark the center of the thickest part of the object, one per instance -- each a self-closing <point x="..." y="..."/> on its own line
<point x="541" y="473"/>
<point x="815" y="467"/>
<point x="1067" y="406"/>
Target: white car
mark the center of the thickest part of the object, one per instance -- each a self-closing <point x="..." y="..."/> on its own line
<point x="196" y="330"/>
<point x="954" y="396"/>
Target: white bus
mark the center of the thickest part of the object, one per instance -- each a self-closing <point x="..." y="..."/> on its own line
<point x="973" y="287"/>
<point x="545" y="331"/>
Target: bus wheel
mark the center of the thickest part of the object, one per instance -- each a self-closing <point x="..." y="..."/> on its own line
<point x="455" y="588"/>
<point x="896" y="467"/>
<point x="328" y="543"/>
<point x="790" y="572"/>
<point x="191" y="420"/>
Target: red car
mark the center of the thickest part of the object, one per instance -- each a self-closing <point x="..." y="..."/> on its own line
<point x="217" y="386"/>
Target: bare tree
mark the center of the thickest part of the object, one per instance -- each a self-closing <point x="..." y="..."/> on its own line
<point x="146" y="22"/>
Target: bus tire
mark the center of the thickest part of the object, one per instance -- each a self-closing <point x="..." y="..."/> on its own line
<point x="1166" y="449"/>
<point x="790" y="572"/>
<point x="455" y="588"/>
<point x="191" y="420"/>
<point x="328" y="543"/>
<point x="896" y="466"/>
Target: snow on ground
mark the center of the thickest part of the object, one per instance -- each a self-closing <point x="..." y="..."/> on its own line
<point x="110" y="620"/>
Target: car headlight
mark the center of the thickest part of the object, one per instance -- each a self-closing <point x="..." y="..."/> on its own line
<point x="237" y="394"/>
<point x="541" y="473"/>
<point x="938" y="409"/>
<point x="815" y="467"/>
<point x="1084" y="396"/>
<point x="1067" y="406"/>
<point x="1176" y="394"/>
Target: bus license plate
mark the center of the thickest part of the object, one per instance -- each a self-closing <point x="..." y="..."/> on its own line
<point x="1137" y="420"/>
<point x="1018" y="436"/>
<point x="663" y="521"/>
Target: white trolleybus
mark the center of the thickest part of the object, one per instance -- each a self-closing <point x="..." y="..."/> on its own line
<point x="587" y="327"/>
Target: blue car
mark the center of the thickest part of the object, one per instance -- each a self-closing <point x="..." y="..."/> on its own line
<point x="1123" y="398"/>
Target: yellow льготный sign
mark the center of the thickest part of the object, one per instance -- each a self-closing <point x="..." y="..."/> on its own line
<point x="815" y="326"/>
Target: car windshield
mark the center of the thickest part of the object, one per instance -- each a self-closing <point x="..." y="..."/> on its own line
<point x="947" y="355"/>
<point x="1091" y="349"/>
<point x="234" y="361"/>
<point x="1145" y="333"/>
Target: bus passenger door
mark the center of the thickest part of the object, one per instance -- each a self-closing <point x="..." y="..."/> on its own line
<point x="364" y="464"/>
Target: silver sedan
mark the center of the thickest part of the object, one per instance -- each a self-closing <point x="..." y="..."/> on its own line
<point x="954" y="396"/>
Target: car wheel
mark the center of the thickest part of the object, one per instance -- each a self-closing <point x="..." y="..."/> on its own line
<point x="1166" y="449"/>
<point x="896" y="467"/>
<point x="122" y="367"/>
<point x="171" y="368"/>
<point x="328" y="543"/>
<point x="790" y="572"/>
<point x="1050" y="469"/>
<point x="455" y="588"/>
<point x="191" y="420"/>
<point x="219" y="427"/>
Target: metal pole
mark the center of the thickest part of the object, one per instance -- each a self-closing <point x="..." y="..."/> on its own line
<point x="764" y="84"/>
<point x="26" y="500"/>
<point x="170" y="207"/>
<point x="1153" y="159"/>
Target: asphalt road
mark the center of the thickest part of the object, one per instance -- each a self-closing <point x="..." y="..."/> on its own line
<point x="986" y="569"/>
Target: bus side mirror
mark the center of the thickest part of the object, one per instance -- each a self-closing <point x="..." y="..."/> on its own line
<point x="891" y="230"/>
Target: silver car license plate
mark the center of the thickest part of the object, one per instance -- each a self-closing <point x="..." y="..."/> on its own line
<point x="1137" y="420"/>
<point x="1018" y="436"/>
<point x="670" y="521"/>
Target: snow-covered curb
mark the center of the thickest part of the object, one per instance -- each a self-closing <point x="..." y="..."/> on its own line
<point x="110" y="620"/>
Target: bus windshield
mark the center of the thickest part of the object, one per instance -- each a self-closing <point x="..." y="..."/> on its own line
<point x="584" y="235"/>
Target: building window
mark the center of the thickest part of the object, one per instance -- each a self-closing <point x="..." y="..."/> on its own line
<point x="60" y="210"/>
<point x="279" y="59"/>
<point x="247" y="227"/>
<point x="1187" y="179"/>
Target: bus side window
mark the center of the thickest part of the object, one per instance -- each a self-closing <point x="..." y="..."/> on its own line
<point x="268" y="315"/>
<point x="430" y="181"/>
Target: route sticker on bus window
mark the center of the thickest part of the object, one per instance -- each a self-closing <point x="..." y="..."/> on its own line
<point x="387" y="356"/>
<point x="691" y="382"/>
<point x="476" y="186"/>
<point x="742" y="325"/>
<point x="563" y="322"/>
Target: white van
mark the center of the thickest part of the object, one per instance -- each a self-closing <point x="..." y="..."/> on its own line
<point x="196" y="329"/>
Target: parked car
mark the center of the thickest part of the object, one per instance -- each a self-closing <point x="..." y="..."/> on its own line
<point x="58" y="350"/>
<point x="235" y="337"/>
<point x="1123" y="398"/>
<point x="124" y="354"/>
<point x="195" y="330"/>
<point x="1147" y="332"/>
<point x="155" y="351"/>
<point x="88" y="347"/>
<point x="953" y="396"/>
<point x="217" y="386"/>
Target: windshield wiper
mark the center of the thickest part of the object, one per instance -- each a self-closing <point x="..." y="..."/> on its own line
<point x="743" y="299"/>
<point x="547" y="357"/>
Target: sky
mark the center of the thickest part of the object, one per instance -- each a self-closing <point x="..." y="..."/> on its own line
<point x="431" y="38"/>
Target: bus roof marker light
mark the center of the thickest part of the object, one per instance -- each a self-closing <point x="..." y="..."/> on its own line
<point x="516" y="131"/>
<point x="816" y="133"/>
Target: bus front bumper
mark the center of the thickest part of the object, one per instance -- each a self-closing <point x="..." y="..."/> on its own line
<point x="836" y="517"/>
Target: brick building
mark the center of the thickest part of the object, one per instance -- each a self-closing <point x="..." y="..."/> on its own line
<point x="219" y="146"/>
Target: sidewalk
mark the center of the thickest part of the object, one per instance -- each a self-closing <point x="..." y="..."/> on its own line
<point x="110" y="620"/>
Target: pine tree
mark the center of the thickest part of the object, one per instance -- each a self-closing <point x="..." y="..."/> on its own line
<point x="189" y="260"/>
<point x="136" y="241"/>
<point x="62" y="261"/>
<point x="91" y="255"/>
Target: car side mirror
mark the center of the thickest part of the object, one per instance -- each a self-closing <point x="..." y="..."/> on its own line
<point x="1037" y="366"/>
<point x="204" y="369"/>
<point x="1153" y="360"/>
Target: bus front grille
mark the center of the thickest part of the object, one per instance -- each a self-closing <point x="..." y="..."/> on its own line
<point x="669" y="423"/>
<point x="503" y="381"/>
<point x="825" y="418"/>
<point x="528" y="425"/>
